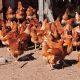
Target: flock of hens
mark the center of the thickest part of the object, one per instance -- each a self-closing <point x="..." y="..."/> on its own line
<point x="57" y="39"/>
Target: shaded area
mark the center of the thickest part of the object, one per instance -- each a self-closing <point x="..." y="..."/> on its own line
<point x="1" y="45"/>
<point x="68" y="63"/>
<point x="28" y="57"/>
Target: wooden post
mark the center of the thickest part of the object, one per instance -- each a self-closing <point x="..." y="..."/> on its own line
<point x="41" y="13"/>
<point x="1" y="14"/>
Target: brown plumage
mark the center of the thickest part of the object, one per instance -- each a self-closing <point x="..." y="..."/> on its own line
<point x="59" y="26"/>
<point x="10" y="13"/>
<point x="54" y="54"/>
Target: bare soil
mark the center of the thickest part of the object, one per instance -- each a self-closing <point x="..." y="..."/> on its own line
<point x="33" y="67"/>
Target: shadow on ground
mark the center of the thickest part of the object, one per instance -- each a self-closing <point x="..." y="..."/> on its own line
<point x="28" y="57"/>
<point x="68" y="63"/>
<point x="1" y="45"/>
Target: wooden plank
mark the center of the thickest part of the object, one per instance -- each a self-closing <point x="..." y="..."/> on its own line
<point x="48" y="10"/>
<point x="40" y="6"/>
<point x="1" y="14"/>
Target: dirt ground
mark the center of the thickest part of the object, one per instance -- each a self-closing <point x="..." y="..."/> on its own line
<point x="35" y="68"/>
